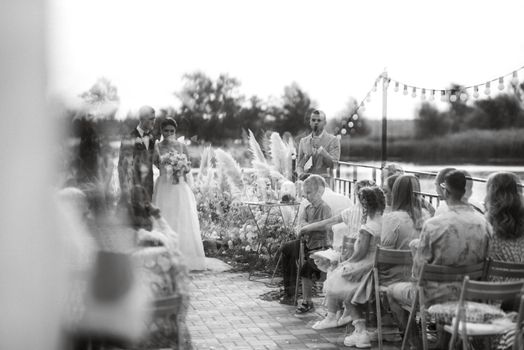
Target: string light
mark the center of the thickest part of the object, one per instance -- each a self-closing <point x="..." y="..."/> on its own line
<point x="396" y="86"/>
<point x="386" y="83"/>
<point x="432" y="95"/>
<point x="414" y="93"/>
<point x="423" y="95"/>
<point x="487" y="90"/>
<point x="452" y="97"/>
<point x="368" y="98"/>
<point x="362" y="107"/>
<point x="515" y="78"/>
<point x="355" y="116"/>
<point x="343" y="131"/>
<point x="501" y="83"/>
<point x="375" y="87"/>
<point x="463" y="96"/>
<point x="350" y="124"/>
<point x="476" y="92"/>
<point x="405" y="92"/>
<point x="443" y="95"/>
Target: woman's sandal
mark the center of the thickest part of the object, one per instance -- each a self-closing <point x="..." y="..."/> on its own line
<point x="305" y="307"/>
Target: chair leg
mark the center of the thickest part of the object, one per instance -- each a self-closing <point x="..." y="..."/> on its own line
<point x="276" y="267"/>
<point x="379" y="311"/>
<point x="423" y="324"/>
<point x="410" y="321"/>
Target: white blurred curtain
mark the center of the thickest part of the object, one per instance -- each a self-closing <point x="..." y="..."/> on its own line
<point x="31" y="269"/>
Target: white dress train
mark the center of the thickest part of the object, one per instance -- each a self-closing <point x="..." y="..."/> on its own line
<point x="178" y="207"/>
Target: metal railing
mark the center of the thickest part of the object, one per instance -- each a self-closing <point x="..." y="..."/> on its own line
<point x="344" y="185"/>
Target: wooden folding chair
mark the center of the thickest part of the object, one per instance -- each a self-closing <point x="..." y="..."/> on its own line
<point x="436" y="273"/>
<point x="517" y="342"/>
<point x="503" y="269"/>
<point x="385" y="258"/>
<point x="485" y="292"/>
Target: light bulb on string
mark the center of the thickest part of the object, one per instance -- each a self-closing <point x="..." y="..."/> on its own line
<point x="443" y="95"/>
<point x="476" y="92"/>
<point x="351" y="124"/>
<point x="368" y="98"/>
<point x="414" y="93"/>
<point x="355" y="117"/>
<point x="396" y="86"/>
<point x="386" y="82"/>
<point x="339" y="136"/>
<point x="423" y="94"/>
<point x="452" y="97"/>
<point x="501" y="84"/>
<point x="515" y="78"/>
<point x="463" y="96"/>
<point x="432" y="95"/>
<point x="487" y="90"/>
<point x="343" y="131"/>
<point x="375" y="87"/>
<point x="405" y="92"/>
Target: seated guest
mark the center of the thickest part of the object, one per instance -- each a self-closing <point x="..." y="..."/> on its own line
<point x="441" y="175"/>
<point x="469" y="191"/>
<point x="349" y="283"/>
<point x="316" y="210"/>
<point x="337" y="202"/>
<point x="456" y="237"/>
<point x="387" y="188"/>
<point x="402" y="224"/>
<point x="505" y="213"/>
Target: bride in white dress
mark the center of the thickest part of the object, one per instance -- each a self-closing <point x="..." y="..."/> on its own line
<point x="174" y="197"/>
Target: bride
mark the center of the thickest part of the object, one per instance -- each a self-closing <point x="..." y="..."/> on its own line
<point x="173" y="196"/>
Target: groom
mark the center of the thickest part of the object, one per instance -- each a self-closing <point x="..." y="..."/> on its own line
<point x="135" y="162"/>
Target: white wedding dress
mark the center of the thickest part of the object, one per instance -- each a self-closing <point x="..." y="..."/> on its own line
<point x="178" y="207"/>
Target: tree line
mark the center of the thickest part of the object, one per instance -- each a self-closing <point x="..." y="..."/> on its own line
<point x="503" y="111"/>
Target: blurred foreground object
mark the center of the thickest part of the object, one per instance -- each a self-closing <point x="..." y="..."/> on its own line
<point x="32" y="271"/>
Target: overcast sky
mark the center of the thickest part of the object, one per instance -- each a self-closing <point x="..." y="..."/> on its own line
<point x="332" y="49"/>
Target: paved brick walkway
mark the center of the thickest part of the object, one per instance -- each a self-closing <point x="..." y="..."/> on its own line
<point x="227" y="313"/>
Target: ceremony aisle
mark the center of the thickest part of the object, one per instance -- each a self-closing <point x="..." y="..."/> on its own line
<point x="226" y="312"/>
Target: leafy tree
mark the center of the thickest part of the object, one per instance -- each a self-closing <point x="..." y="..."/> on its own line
<point x="210" y="108"/>
<point x="350" y="119"/>
<point x="459" y="111"/>
<point x="102" y="98"/>
<point x="501" y="112"/>
<point x="296" y="105"/>
<point x="430" y="122"/>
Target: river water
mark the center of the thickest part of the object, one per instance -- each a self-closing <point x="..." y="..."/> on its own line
<point x="427" y="182"/>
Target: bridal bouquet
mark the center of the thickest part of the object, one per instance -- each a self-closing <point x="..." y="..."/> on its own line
<point x="176" y="164"/>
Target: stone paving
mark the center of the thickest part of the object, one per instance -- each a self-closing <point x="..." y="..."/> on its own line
<point x="226" y="313"/>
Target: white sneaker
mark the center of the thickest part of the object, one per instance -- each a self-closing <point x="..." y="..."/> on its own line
<point x="359" y="340"/>
<point x="326" y="323"/>
<point x="344" y="320"/>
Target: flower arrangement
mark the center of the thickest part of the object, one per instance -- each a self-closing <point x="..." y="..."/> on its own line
<point x="177" y="165"/>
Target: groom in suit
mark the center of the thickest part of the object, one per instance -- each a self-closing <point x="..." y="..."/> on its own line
<point x="135" y="162"/>
<point x="318" y="151"/>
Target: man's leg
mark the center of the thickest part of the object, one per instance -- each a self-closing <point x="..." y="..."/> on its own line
<point x="290" y="251"/>
<point x="403" y="294"/>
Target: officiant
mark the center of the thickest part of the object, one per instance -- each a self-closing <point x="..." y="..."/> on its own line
<point x="317" y="152"/>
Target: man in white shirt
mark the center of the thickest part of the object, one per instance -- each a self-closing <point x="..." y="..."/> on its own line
<point x="318" y="151"/>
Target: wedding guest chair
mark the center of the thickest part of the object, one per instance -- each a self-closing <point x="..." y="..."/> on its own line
<point x="502" y="269"/>
<point x="442" y="274"/>
<point x="472" y="318"/>
<point x="385" y="258"/>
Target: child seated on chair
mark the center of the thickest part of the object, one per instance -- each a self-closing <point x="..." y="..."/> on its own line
<point x="350" y="282"/>
<point x="315" y="240"/>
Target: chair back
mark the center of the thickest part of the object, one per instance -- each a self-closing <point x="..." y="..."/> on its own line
<point x="497" y="268"/>
<point x="392" y="257"/>
<point x="440" y="273"/>
<point x="491" y="291"/>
